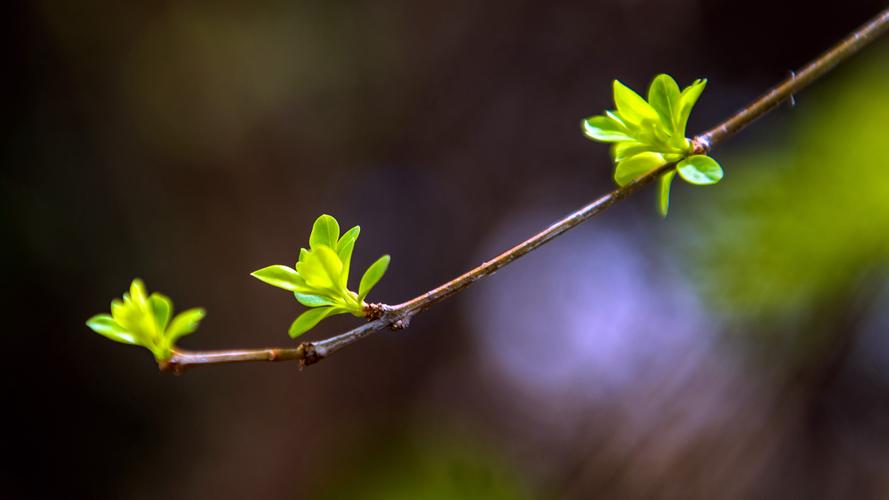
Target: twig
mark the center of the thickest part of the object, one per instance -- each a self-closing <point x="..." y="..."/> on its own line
<point x="797" y="81"/>
<point x="398" y="317"/>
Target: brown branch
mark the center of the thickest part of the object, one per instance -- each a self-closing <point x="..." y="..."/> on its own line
<point x="797" y="81"/>
<point x="398" y="317"/>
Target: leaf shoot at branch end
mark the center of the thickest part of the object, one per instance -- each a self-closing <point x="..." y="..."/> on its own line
<point x="146" y="320"/>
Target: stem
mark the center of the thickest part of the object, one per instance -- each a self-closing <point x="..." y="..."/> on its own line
<point x="398" y="317"/>
<point x="182" y="359"/>
<point x="798" y="80"/>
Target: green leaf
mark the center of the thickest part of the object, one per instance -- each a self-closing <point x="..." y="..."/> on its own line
<point x="103" y="324"/>
<point x="344" y="248"/>
<point x="320" y="278"/>
<point x="184" y="323"/>
<point x="614" y="115"/>
<point x="307" y="320"/>
<point x="372" y="276"/>
<point x="325" y="231"/>
<point x="302" y="255"/>
<point x="138" y="294"/>
<point x="331" y="262"/>
<point x="322" y="268"/>
<point x="687" y="101"/>
<point x="281" y="277"/>
<point x="311" y="300"/>
<point x="138" y="299"/>
<point x="663" y="95"/>
<point x="144" y="320"/>
<point x="632" y="108"/>
<point x="700" y="169"/>
<point x="624" y="150"/>
<point x="605" y="129"/>
<point x="161" y="309"/>
<point x="635" y="166"/>
<point x="663" y="200"/>
<point x="124" y="315"/>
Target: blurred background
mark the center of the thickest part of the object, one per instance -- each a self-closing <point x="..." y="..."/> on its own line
<point x="738" y="349"/>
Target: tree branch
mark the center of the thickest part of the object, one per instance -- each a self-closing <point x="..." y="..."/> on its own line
<point x="398" y="317"/>
<point x="797" y="81"/>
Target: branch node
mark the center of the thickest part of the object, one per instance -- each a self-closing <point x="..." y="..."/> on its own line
<point x="310" y="355"/>
<point x="401" y="323"/>
<point x="171" y="366"/>
<point x="700" y="145"/>
<point x="375" y="311"/>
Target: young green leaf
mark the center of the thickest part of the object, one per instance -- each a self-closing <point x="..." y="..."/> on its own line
<point x="122" y="314"/>
<point x="635" y="166"/>
<point x="161" y="308"/>
<point x="311" y="300"/>
<point x="663" y="95"/>
<point x="138" y="294"/>
<point x="325" y="231"/>
<point x="184" y="323"/>
<point x="372" y="276"/>
<point x="650" y="134"/>
<point x="605" y="129"/>
<point x="104" y="324"/>
<point x="321" y="269"/>
<point x="700" y="169"/>
<point x="321" y="275"/>
<point x="144" y="320"/>
<point x="631" y="106"/>
<point x="623" y="150"/>
<point x="344" y="248"/>
<point x="307" y="320"/>
<point x="281" y="277"/>
<point x="663" y="191"/>
<point x="687" y="101"/>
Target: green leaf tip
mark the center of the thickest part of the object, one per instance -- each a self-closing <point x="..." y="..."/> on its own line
<point x="307" y="320"/>
<point x="372" y="276"/>
<point x="325" y="231"/>
<point x="663" y="192"/>
<point x="648" y="134"/>
<point x="320" y="278"/>
<point x="146" y="320"/>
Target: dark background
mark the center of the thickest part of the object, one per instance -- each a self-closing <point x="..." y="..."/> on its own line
<point x="189" y="144"/>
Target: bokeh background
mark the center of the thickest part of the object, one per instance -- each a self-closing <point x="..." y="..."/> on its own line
<point x="738" y="349"/>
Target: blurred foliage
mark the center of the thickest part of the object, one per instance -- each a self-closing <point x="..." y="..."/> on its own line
<point x="801" y="224"/>
<point x="440" y="468"/>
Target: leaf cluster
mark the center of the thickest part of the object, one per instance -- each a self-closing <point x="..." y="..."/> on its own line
<point x="320" y="278"/>
<point x="146" y="320"/>
<point x="649" y="134"/>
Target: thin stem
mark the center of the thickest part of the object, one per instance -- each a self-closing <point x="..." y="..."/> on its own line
<point x="181" y="359"/>
<point x="568" y="222"/>
<point x="798" y="80"/>
<point x="398" y="317"/>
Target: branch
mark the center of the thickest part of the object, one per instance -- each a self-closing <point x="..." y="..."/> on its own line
<point x="398" y="317"/>
<point x="797" y="81"/>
